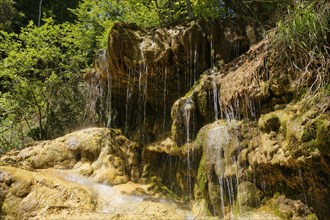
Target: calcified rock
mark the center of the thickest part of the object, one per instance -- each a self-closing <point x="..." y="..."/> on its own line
<point x="104" y="154"/>
<point x="263" y="137"/>
<point x="184" y="52"/>
<point x="146" y="71"/>
<point x="55" y="194"/>
<point x="30" y="187"/>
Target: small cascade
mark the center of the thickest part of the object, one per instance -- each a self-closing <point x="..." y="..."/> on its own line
<point x="216" y="138"/>
<point x="95" y="91"/>
<point x="143" y="86"/>
<point x="236" y="164"/>
<point x="109" y="102"/>
<point x="222" y="151"/>
<point x="103" y="67"/>
<point x="164" y="97"/>
<point x="191" y="73"/>
<point x="188" y="108"/>
<point x="212" y="52"/>
<point x="128" y="104"/>
<point x="216" y="98"/>
<point x="195" y="67"/>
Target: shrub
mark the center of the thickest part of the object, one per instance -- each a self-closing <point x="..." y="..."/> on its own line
<point x="301" y="44"/>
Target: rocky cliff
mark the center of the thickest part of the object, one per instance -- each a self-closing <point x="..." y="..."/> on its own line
<point x="266" y="140"/>
<point x="219" y="127"/>
<point x="143" y="72"/>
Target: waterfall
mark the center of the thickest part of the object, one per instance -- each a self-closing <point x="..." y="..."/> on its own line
<point x="217" y="138"/>
<point x="129" y="93"/>
<point x="164" y="97"/>
<point x="143" y="86"/>
<point x="216" y="98"/>
<point x="187" y="109"/>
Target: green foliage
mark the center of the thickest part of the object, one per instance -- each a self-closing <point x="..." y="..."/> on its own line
<point x="261" y="12"/>
<point x="170" y="12"/>
<point x="95" y="19"/>
<point x="40" y="79"/>
<point x="211" y="9"/>
<point x="9" y="16"/>
<point x="58" y="10"/>
<point x="301" y="43"/>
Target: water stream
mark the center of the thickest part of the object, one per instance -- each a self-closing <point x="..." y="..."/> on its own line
<point x="114" y="200"/>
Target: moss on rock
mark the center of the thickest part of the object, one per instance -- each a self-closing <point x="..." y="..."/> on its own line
<point x="202" y="176"/>
<point x="269" y="122"/>
<point x="317" y="134"/>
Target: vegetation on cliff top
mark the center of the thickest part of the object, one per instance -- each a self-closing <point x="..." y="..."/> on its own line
<point x="45" y="46"/>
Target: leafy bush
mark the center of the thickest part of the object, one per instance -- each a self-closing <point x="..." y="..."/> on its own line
<point x="40" y="76"/>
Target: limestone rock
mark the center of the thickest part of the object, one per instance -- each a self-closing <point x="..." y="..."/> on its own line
<point x="29" y="194"/>
<point x="104" y="154"/>
<point x="56" y="194"/>
<point x="249" y="196"/>
<point x="151" y="69"/>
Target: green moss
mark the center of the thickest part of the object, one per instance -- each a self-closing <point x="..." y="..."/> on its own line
<point x="311" y="217"/>
<point x="269" y="122"/>
<point x="309" y="132"/>
<point x="316" y="134"/>
<point x="202" y="176"/>
<point x="323" y="134"/>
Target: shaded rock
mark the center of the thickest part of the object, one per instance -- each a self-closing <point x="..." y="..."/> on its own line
<point x="249" y="196"/>
<point x="269" y="123"/>
<point x="288" y="208"/>
<point x="159" y="156"/>
<point x="200" y="209"/>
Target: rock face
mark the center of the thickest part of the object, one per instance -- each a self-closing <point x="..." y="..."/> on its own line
<point x="260" y="139"/>
<point x="144" y="72"/>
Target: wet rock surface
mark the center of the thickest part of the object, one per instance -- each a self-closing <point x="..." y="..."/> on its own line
<point x="146" y="71"/>
<point x="58" y="194"/>
<point x="257" y="132"/>
<point x="87" y="174"/>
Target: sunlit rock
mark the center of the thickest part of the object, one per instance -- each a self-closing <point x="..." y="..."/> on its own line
<point x="104" y="154"/>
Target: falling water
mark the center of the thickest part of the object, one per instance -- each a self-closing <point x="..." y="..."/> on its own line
<point x="217" y="138"/>
<point x="164" y="97"/>
<point x="187" y="108"/>
<point x="108" y="101"/>
<point x="129" y="92"/>
<point x="215" y="98"/>
<point x="212" y="53"/>
<point x="195" y="64"/>
<point x="191" y="72"/>
<point x="143" y="86"/>
<point x="95" y="91"/>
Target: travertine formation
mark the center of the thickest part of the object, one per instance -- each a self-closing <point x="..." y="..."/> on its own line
<point x="227" y="133"/>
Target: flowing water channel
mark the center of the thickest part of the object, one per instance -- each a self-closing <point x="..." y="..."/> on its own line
<point x="128" y="201"/>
